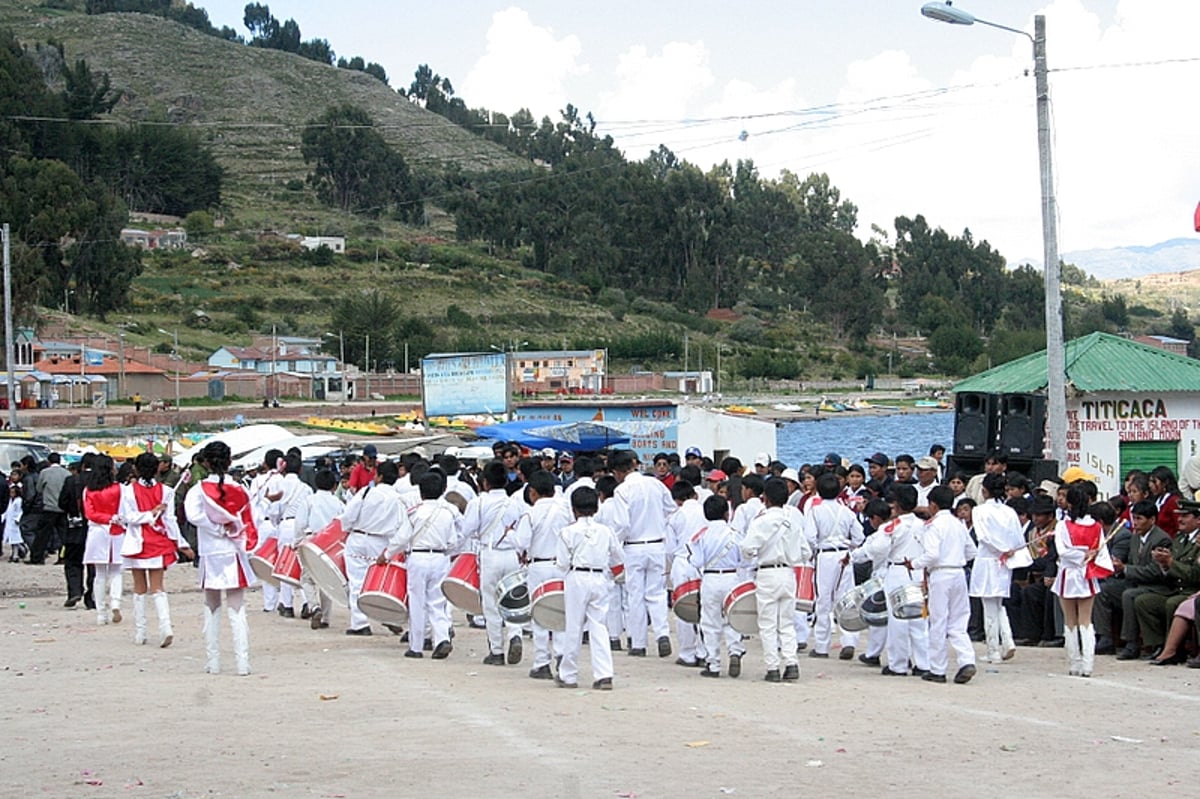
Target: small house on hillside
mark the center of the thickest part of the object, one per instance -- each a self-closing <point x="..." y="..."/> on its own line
<point x="1129" y="405"/>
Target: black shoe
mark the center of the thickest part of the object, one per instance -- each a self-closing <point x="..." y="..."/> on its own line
<point x="614" y="644"/>
<point x="664" y="647"/>
<point x="706" y="672"/>
<point x="603" y="684"/>
<point x="1173" y="660"/>
<point x="815" y="654"/>
<point x="314" y="619"/>
<point x="305" y="613"/>
<point x="541" y="673"/>
<point x="494" y="660"/>
<point x="868" y="660"/>
<point x="1026" y="642"/>
<point x="514" y="650"/>
<point x="1129" y="652"/>
<point x="637" y="652"/>
<point x="919" y="672"/>
<point x="800" y="647"/>
<point x="773" y="676"/>
<point x="562" y="684"/>
<point x="288" y="613"/>
<point x="886" y="672"/>
<point x="443" y="650"/>
<point x="977" y="637"/>
<point x="964" y="674"/>
<point x="408" y="653"/>
<point x="791" y="673"/>
<point x="360" y="631"/>
<point x="735" y="665"/>
<point x="428" y="645"/>
<point x="72" y="601"/>
<point x="1105" y="646"/>
<point x="931" y="677"/>
<point x="1053" y="643"/>
<point x="404" y="638"/>
<point x="691" y="664"/>
<point x="847" y="653"/>
<point x="1151" y="654"/>
<point x="394" y="629"/>
<point x="585" y="639"/>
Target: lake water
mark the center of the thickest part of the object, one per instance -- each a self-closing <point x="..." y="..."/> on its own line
<point x="855" y="437"/>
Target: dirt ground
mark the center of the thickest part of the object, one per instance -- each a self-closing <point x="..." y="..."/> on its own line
<point x="85" y="713"/>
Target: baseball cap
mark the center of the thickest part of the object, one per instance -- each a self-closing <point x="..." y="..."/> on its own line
<point x="369" y="451"/>
<point x="1075" y="474"/>
<point x="879" y="459"/>
<point x="693" y="451"/>
<point x="549" y="452"/>
<point x="566" y="456"/>
<point x="716" y="475"/>
<point x="927" y="463"/>
<point x="1049" y="486"/>
<point x="762" y="459"/>
<point x="791" y="474"/>
<point x="833" y="459"/>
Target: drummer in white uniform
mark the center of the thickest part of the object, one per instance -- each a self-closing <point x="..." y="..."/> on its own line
<point x="612" y="514"/>
<point x="293" y="491"/>
<point x="264" y="490"/>
<point x="586" y="551"/>
<point x="898" y="541"/>
<point x="715" y="554"/>
<point x="313" y="515"/>
<point x="371" y="518"/>
<point x="490" y="527"/>
<point x="687" y="519"/>
<point x="431" y="536"/>
<point x="877" y="512"/>
<point x="946" y="548"/>
<point x="776" y="543"/>
<point x="540" y="526"/>
<point x="831" y="530"/>
<point x="999" y="531"/>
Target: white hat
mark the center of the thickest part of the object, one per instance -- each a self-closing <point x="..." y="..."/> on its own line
<point x="791" y="474"/>
<point x="762" y="459"/>
<point x="549" y="452"/>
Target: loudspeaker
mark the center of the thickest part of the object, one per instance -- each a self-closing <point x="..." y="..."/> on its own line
<point x="1022" y="425"/>
<point x="975" y="423"/>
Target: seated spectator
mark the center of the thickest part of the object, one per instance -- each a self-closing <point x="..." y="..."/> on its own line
<point x="1156" y="609"/>
<point x="1142" y="575"/>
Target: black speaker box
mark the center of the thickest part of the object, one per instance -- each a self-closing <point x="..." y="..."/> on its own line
<point x="975" y="423"/>
<point x="1022" y="425"/>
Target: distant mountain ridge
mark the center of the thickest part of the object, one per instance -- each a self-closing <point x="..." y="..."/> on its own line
<point x="1116" y="263"/>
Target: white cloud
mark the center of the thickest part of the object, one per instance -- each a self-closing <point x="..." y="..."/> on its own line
<point x="524" y="66"/>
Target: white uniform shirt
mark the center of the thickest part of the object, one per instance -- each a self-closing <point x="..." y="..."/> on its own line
<point x="317" y="511"/>
<point x="715" y="548"/>
<point x="775" y="537"/>
<point x="682" y="525"/>
<point x="376" y="510"/>
<point x="460" y="487"/>
<point x="828" y="524"/>
<point x="491" y="521"/>
<point x="434" y="524"/>
<point x="587" y="544"/>
<point x="745" y="513"/>
<point x="647" y="503"/>
<point x="540" y="526"/>
<point x="997" y="527"/>
<point x="295" y="491"/>
<point x="945" y="543"/>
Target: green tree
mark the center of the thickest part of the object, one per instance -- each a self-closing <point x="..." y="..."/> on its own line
<point x="954" y="347"/>
<point x="85" y="95"/>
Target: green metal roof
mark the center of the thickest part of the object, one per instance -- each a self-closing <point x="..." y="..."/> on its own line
<point x="1096" y="362"/>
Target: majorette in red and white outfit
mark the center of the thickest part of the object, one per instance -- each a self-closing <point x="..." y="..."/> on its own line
<point x="151" y="540"/>
<point x="225" y="533"/>
<point x="1079" y="578"/>
<point x="105" y="536"/>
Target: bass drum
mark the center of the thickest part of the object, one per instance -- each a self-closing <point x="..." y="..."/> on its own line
<point x="512" y="597"/>
<point x="848" y="609"/>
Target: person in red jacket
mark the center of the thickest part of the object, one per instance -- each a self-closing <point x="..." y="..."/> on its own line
<point x="105" y="536"/>
<point x="1164" y="489"/>
<point x="151" y="541"/>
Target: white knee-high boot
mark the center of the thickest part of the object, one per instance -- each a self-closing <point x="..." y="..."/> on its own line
<point x="1071" y="635"/>
<point x="115" y="587"/>
<point x="139" y="618"/>
<point x="162" y="609"/>
<point x="241" y="638"/>
<point x="212" y="640"/>
<point x="1087" y="639"/>
<point x="100" y="592"/>
<point x="1007" y="647"/>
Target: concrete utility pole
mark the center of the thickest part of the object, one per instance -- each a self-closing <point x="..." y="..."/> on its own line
<point x="8" y="333"/>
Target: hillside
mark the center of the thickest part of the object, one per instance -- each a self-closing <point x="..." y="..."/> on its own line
<point x="251" y="108"/>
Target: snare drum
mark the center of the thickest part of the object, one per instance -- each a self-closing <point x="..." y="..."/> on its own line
<point x="262" y="561"/>
<point x="548" y="606"/>
<point x="323" y="556"/>
<point x="461" y="585"/>
<point x="512" y="597"/>
<point x="874" y="609"/>
<point x="806" y="597"/>
<point x="384" y="595"/>
<point x="287" y="566"/>
<point x="848" y="609"/>
<point x="685" y="601"/>
<point x="740" y="608"/>
<point x="908" y="602"/>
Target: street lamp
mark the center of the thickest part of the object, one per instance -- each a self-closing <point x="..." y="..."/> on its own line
<point x="341" y="358"/>
<point x="1056" y="360"/>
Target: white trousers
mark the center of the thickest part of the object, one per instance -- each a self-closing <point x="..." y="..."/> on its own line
<point x="314" y="597"/>
<point x="775" y="592"/>
<point x="996" y="627"/>
<point x="713" y="590"/>
<point x="494" y="566"/>
<point x="361" y="551"/>
<point x="426" y="602"/>
<point x="832" y="582"/>
<point x="108" y="584"/>
<point x="586" y="600"/>
<point x="287" y="534"/>
<point x="543" y="639"/>
<point x="616" y="610"/>
<point x="645" y="592"/>
<point x="949" y="612"/>
<point x="907" y="639"/>
<point x="270" y="593"/>
<point x="687" y="634"/>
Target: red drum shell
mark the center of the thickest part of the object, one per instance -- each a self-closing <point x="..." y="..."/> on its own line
<point x="461" y="585"/>
<point x="548" y="607"/>
<point x="262" y="561"/>
<point x="384" y="595"/>
<point x="685" y="601"/>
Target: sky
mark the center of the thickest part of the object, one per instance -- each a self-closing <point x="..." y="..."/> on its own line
<point x="905" y="114"/>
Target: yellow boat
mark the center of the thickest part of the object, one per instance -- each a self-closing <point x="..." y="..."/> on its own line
<point x="745" y="410"/>
<point x="121" y="452"/>
<point x="350" y="426"/>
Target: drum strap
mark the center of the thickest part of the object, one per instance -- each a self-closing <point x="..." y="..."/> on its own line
<point x="728" y="545"/>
